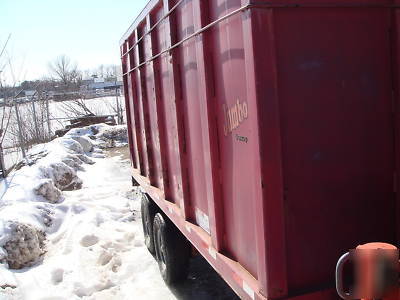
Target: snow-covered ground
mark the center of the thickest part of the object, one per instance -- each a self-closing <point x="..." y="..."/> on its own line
<point x="93" y="244"/>
<point x="12" y="156"/>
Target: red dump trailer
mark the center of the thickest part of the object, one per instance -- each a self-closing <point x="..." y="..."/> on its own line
<point x="264" y="133"/>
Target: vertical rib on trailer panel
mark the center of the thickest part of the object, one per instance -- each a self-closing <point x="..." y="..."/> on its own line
<point x="176" y="106"/>
<point x="127" y="97"/>
<point x="151" y="108"/>
<point x="133" y="108"/>
<point x="130" y="106"/>
<point x="192" y="114"/>
<point x="147" y="94"/>
<point x="210" y="139"/>
<point x="160" y="114"/>
<point x="269" y="209"/>
<point x="395" y="36"/>
<point x="167" y="118"/>
<point x="130" y="125"/>
<point x="144" y="128"/>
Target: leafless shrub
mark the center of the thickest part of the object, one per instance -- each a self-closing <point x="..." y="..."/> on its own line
<point x="81" y="107"/>
<point x="33" y="122"/>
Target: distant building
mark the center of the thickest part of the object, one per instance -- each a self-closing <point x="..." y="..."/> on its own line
<point x="30" y="93"/>
<point x="21" y="99"/>
<point x="108" y="85"/>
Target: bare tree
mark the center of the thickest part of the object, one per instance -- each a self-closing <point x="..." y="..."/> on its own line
<point x="117" y="107"/>
<point x="100" y="71"/>
<point x="106" y="71"/>
<point x="76" y="108"/>
<point x="65" y="70"/>
<point x="3" y="49"/>
<point x="8" y="93"/>
<point x="33" y="119"/>
<point x="6" y="112"/>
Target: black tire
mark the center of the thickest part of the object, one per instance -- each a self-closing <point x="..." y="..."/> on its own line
<point x="148" y="211"/>
<point x="172" y="250"/>
<point x="134" y="182"/>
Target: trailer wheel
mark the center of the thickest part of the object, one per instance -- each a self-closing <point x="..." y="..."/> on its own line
<point x="172" y="250"/>
<point x="148" y="211"/>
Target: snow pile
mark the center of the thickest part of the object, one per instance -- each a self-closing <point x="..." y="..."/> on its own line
<point x="102" y="135"/>
<point x="36" y="187"/>
<point x="25" y="208"/>
<point x="95" y="246"/>
<point x="87" y="145"/>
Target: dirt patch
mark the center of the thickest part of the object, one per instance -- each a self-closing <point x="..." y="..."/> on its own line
<point x="7" y="286"/>
<point x="122" y="151"/>
<point x="63" y="176"/>
<point x="114" y="134"/>
<point x="48" y="190"/>
<point x="31" y="159"/>
<point x="25" y="247"/>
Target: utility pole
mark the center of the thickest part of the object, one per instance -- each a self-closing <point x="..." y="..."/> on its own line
<point x="119" y="113"/>
<point x="48" y="116"/>
<point x="2" y="163"/>
<point x="35" y="118"/>
<point x="21" y="139"/>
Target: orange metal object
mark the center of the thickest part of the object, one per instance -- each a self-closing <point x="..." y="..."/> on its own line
<point x="368" y="259"/>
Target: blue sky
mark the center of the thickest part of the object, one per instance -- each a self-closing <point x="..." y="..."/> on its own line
<point x="87" y="31"/>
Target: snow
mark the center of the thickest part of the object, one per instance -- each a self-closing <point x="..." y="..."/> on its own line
<point x="36" y="186"/>
<point x="94" y="249"/>
<point x="12" y="156"/>
<point x="94" y="246"/>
